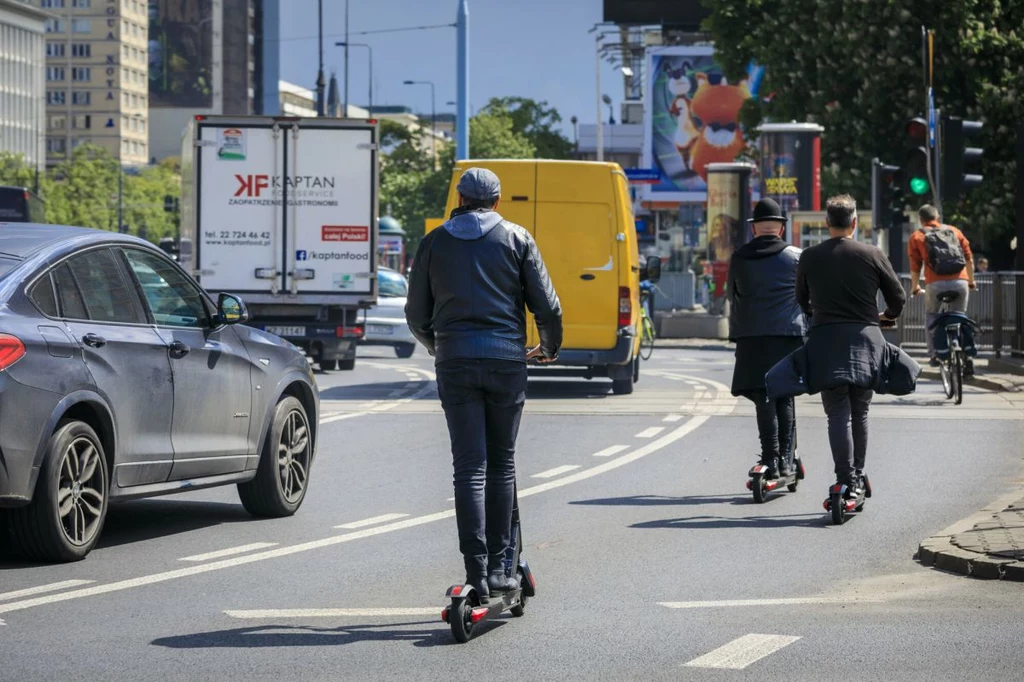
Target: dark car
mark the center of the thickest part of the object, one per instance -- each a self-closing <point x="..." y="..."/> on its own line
<point x="120" y="378"/>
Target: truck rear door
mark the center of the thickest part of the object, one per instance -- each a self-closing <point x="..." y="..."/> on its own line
<point x="239" y="208"/>
<point x="331" y="198"/>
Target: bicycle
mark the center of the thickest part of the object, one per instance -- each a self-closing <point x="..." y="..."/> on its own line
<point x="646" y="325"/>
<point x="953" y="367"/>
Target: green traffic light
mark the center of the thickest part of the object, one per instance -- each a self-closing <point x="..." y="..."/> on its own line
<point x="919" y="185"/>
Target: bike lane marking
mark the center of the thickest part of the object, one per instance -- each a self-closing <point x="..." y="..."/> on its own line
<point x="742" y="652"/>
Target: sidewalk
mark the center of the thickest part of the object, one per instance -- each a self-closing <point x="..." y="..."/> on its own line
<point x="988" y="545"/>
<point x="989" y="374"/>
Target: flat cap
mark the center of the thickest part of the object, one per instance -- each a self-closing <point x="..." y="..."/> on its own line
<point x="480" y="184"/>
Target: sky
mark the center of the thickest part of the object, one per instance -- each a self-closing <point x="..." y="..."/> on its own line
<point x="529" y="48"/>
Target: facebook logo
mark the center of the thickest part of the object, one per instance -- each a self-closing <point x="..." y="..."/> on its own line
<point x="301" y="255"/>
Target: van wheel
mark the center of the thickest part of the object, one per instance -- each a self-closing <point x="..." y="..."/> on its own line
<point x="346" y="365"/>
<point x="622" y="386"/>
<point x="636" y="369"/>
<point x="66" y="515"/>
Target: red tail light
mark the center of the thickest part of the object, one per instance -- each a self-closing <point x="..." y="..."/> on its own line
<point x="11" y="350"/>
<point x="342" y="332"/>
<point x="625" y="307"/>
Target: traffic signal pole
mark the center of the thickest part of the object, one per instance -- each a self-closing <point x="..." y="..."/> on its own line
<point x="1019" y="265"/>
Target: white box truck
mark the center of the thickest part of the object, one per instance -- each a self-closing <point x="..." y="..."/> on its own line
<point x="283" y="213"/>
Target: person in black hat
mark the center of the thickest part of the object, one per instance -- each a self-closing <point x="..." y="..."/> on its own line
<point x="766" y="323"/>
<point x="468" y="293"/>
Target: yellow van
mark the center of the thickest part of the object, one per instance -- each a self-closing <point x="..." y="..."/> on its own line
<point x="581" y="216"/>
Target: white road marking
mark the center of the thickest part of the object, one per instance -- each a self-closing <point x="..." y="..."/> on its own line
<point x="651" y="432"/>
<point x="551" y="473"/>
<point x="613" y="450"/>
<point x="672" y="418"/>
<point x="786" y="601"/>
<point x="654" y="446"/>
<point x="741" y="652"/>
<point x="692" y="383"/>
<point x="384" y="406"/>
<point x="43" y="589"/>
<point x="372" y="521"/>
<point x="220" y="554"/>
<point x="274" y="614"/>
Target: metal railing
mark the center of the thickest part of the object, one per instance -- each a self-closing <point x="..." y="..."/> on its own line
<point x="997" y="305"/>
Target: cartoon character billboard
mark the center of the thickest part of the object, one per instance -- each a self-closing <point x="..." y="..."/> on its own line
<point x="691" y="119"/>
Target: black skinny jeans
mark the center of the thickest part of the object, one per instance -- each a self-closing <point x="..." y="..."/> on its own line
<point x="483" y="404"/>
<point x="776" y="426"/>
<point x="847" y="408"/>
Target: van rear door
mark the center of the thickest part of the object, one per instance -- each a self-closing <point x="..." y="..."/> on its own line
<point x="575" y="229"/>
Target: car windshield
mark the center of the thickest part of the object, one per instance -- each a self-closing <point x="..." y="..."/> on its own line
<point x="392" y="285"/>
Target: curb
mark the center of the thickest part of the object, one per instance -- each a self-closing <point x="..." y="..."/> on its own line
<point x="988" y="382"/>
<point x="939" y="551"/>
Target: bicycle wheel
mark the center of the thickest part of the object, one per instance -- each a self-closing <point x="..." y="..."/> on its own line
<point x="646" y="337"/>
<point x="945" y="373"/>
<point x="957" y="377"/>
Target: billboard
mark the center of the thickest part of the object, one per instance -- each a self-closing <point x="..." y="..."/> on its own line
<point x="691" y="120"/>
<point x="181" y="53"/>
<point x="676" y="13"/>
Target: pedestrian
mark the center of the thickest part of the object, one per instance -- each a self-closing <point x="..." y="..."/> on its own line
<point x="473" y="279"/>
<point x="837" y="287"/>
<point x="982" y="265"/>
<point x="945" y="255"/>
<point x="766" y="323"/>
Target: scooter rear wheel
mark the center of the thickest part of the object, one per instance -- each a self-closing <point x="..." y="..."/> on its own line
<point x="519" y="609"/>
<point x="837" y="505"/>
<point x="459" y="619"/>
<point x="757" y="487"/>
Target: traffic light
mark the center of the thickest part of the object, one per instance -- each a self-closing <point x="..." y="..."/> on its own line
<point x="957" y="158"/>
<point x="886" y="195"/>
<point x="915" y="169"/>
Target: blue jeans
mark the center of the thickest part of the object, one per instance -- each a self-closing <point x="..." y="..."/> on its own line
<point x="483" y="404"/>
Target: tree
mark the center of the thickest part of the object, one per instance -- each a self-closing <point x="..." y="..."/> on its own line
<point x="535" y="121"/>
<point x="855" y="68"/>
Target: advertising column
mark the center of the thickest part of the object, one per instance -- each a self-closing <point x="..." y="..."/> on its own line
<point x="728" y="208"/>
<point x="791" y="165"/>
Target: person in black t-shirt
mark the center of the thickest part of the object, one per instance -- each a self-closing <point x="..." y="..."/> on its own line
<point x="837" y="286"/>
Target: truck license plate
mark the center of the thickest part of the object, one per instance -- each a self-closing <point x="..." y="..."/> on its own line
<point x="379" y="329"/>
<point x="286" y="331"/>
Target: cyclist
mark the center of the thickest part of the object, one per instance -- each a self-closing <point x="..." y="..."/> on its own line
<point x="767" y="324"/>
<point x="948" y="264"/>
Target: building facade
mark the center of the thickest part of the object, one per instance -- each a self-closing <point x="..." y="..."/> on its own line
<point x="22" y="81"/>
<point x="97" y="78"/>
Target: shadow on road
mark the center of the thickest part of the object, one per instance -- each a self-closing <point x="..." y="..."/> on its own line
<point x="661" y="500"/>
<point x="724" y="522"/>
<point x="549" y="389"/>
<point x="428" y="634"/>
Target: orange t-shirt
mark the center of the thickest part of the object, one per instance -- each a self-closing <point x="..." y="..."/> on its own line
<point x="918" y="253"/>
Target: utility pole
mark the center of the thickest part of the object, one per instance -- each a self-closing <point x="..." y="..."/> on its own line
<point x="597" y="118"/>
<point x="462" y="85"/>
<point x="344" y="98"/>
<point x="1019" y="257"/>
<point x="321" y="105"/>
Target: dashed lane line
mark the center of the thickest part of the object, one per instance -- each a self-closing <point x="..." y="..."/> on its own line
<point x="383" y="406"/>
<point x="230" y="551"/>
<point x="672" y="418"/>
<point x="43" y="589"/>
<point x="612" y="450"/>
<point x="742" y="652"/>
<point x="650" y="432"/>
<point x="785" y="601"/>
<point x="557" y="471"/>
<point x="372" y="521"/>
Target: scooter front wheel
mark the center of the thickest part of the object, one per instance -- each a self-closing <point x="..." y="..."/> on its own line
<point x="757" y="487"/>
<point x="460" y="618"/>
<point x="519" y="609"/>
<point x="838" y="508"/>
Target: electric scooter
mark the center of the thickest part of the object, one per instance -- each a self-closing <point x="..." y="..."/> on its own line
<point x="466" y="612"/>
<point x="761" y="485"/>
<point x="839" y="506"/>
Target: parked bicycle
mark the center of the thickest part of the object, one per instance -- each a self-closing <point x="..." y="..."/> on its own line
<point x="953" y="345"/>
<point x="646" y="323"/>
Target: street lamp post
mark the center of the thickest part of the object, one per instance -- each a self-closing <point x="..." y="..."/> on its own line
<point x="321" y="106"/>
<point x="600" y="126"/>
<point x="433" y="116"/>
<point x="369" y="49"/>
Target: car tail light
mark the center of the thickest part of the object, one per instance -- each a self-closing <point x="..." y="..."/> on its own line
<point x="11" y="350"/>
<point x="342" y="332"/>
<point x="625" y="307"/>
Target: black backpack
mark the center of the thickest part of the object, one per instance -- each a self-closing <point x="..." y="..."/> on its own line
<point x="945" y="256"/>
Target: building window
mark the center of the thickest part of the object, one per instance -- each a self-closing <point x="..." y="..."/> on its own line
<point x="142" y="125"/>
<point x="125" y="52"/>
<point x="55" y="97"/>
<point x="54" y="26"/>
<point x="81" y="49"/>
<point x="78" y="142"/>
<point x="81" y="4"/>
<point x="52" y="4"/>
<point x="82" y="97"/>
<point x="81" y="25"/>
<point x="54" y="73"/>
<point x="56" y="145"/>
<point x="54" y="49"/>
<point x="124" y="27"/>
<point x="58" y="122"/>
<point x="81" y="73"/>
<point x="82" y="122"/>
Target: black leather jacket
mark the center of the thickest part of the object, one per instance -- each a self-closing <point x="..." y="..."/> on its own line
<point x="468" y="286"/>
<point x="762" y="290"/>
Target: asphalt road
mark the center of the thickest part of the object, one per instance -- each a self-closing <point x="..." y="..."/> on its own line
<point x="652" y="561"/>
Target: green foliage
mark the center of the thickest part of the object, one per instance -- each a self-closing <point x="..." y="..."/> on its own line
<point x="536" y="121"/>
<point x="83" y="191"/>
<point x="855" y="68"/>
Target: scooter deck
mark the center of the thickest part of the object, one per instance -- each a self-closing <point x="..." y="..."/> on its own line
<point x="492" y="609"/>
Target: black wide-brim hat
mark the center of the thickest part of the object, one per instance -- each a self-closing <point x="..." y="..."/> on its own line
<point x="767" y="209"/>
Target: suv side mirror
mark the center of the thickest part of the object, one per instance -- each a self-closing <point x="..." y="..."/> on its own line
<point x="231" y="310"/>
<point x="652" y="269"/>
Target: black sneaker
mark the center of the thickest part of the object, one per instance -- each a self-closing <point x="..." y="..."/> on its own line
<point x="969" y="369"/>
<point x="934" y="362"/>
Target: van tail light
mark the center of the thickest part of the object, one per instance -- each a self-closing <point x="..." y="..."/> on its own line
<point x="625" y="307"/>
<point x="11" y="350"/>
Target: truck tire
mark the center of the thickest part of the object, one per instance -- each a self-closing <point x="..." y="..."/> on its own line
<point x="74" y="479"/>
<point x="405" y="350"/>
<point x="329" y="365"/>
<point x="282" y="475"/>
<point x="346" y="365"/>
<point x="622" y="386"/>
